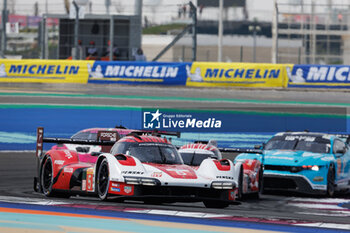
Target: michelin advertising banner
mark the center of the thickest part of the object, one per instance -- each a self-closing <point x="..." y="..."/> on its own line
<point x="319" y="76"/>
<point x="236" y="74"/>
<point x="44" y="71"/>
<point x="158" y="73"/>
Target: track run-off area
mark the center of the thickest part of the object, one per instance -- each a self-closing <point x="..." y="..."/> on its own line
<point x="65" y="109"/>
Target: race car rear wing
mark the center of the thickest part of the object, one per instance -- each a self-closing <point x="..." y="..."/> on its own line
<point x="105" y="138"/>
<point x="155" y="133"/>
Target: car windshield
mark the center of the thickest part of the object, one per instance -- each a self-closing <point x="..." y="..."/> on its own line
<point x="195" y="158"/>
<point x="309" y="144"/>
<point x="149" y="152"/>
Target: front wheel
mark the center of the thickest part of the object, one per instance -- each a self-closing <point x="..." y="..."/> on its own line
<point x="102" y="180"/>
<point x="330" y="182"/>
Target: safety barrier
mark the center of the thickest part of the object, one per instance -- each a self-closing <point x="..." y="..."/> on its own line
<point x="158" y="73"/>
<point x="44" y="71"/>
<point x="319" y="76"/>
<point x="198" y="74"/>
<point x="237" y="74"/>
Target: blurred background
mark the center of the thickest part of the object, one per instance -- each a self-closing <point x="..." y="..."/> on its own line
<point x="268" y="31"/>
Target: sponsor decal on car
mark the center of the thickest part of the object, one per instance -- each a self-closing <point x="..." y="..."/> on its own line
<point x="232" y="194"/>
<point x="115" y="185"/>
<point x="339" y="163"/>
<point x="68" y="170"/>
<point x="156" y="174"/>
<point x="318" y="178"/>
<point x="278" y="157"/>
<point x="115" y="189"/>
<point x="90" y="180"/>
<point x="133" y="172"/>
<point x="108" y="136"/>
<point x="59" y="162"/>
<point x="301" y="138"/>
<point x="224" y="177"/>
<point x="127" y="189"/>
<point x="68" y="154"/>
<point x="83" y="185"/>
<point x="120" y="188"/>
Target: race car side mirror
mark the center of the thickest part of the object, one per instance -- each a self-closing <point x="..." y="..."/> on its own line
<point x="258" y="147"/>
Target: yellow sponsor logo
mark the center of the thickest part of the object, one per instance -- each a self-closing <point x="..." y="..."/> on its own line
<point x="44" y="71"/>
<point x="236" y="74"/>
<point x="318" y="178"/>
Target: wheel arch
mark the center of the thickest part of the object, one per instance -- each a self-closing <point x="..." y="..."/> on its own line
<point x="237" y="171"/>
<point x="239" y="178"/>
<point x="113" y="165"/>
<point x="334" y="167"/>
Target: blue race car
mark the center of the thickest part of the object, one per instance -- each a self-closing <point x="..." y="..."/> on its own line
<point x="305" y="162"/>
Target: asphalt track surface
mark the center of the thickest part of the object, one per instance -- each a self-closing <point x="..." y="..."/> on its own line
<point x="269" y="100"/>
<point x="18" y="168"/>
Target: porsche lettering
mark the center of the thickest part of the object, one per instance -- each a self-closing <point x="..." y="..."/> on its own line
<point x="133" y="172"/>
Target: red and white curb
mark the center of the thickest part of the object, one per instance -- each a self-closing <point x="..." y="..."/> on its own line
<point x="325" y="206"/>
<point x="322" y="204"/>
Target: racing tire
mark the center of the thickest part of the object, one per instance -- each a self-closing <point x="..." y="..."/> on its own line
<point x="102" y="180"/>
<point x="216" y="204"/>
<point x="46" y="177"/>
<point x="260" y="185"/>
<point x="47" y="180"/>
<point x="240" y="184"/>
<point x="330" y="182"/>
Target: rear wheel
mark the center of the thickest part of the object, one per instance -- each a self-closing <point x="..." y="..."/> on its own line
<point x="102" y="181"/>
<point x="47" y="180"/>
<point x="240" y="184"/>
<point x="330" y="182"/>
<point x="216" y="204"/>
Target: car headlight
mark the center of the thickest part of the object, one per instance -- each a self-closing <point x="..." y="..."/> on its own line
<point x="141" y="181"/>
<point x="311" y="167"/>
<point x="222" y="185"/>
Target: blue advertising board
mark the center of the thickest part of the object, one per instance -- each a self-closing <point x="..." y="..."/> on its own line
<point x="157" y="73"/>
<point x="244" y="120"/>
<point x="229" y="128"/>
<point x="319" y="76"/>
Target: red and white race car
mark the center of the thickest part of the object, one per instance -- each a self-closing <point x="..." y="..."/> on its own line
<point x="250" y="174"/>
<point x="137" y="167"/>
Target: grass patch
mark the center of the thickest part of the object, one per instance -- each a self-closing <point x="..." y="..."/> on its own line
<point x="162" y="29"/>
